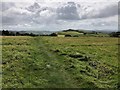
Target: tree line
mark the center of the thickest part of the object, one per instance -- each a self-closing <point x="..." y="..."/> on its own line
<point x="19" y="33"/>
<point x="14" y="33"/>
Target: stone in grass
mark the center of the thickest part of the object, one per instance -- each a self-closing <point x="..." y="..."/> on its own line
<point x="93" y="64"/>
<point x="48" y="66"/>
<point x="72" y="66"/>
<point x="4" y="62"/>
<point x="85" y="58"/>
<point x="63" y="54"/>
<point x="56" y="50"/>
<point x="75" y="55"/>
<point x="82" y="71"/>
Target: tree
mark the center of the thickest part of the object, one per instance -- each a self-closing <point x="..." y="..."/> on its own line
<point x="53" y="34"/>
<point x="17" y="33"/>
<point x="115" y="34"/>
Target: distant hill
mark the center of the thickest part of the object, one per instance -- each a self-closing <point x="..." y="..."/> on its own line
<point x="77" y="33"/>
<point x="40" y="32"/>
<point x="71" y="33"/>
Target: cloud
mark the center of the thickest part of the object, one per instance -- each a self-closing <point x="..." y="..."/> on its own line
<point x="68" y="12"/>
<point x="107" y="11"/>
<point x="33" y="7"/>
<point x="95" y="10"/>
<point x="14" y="16"/>
<point x="6" y="6"/>
<point x="56" y="15"/>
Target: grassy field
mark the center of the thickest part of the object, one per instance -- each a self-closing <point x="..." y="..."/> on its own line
<point x="59" y="62"/>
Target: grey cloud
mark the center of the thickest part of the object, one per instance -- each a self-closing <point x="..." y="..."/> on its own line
<point x="36" y="9"/>
<point x="101" y="23"/>
<point x="15" y="19"/>
<point x="38" y="15"/>
<point x="108" y="11"/>
<point x="6" y="5"/>
<point x="68" y="12"/>
<point x="33" y="7"/>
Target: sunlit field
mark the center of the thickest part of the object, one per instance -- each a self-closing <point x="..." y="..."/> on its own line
<point x="59" y="62"/>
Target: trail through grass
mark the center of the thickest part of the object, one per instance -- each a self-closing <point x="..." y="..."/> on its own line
<point x="28" y="63"/>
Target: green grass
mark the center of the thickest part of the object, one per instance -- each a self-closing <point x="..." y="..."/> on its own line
<point x="81" y="34"/>
<point x="57" y="62"/>
<point x="69" y="32"/>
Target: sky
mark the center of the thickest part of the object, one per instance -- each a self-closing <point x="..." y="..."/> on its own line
<point x="55" y="15"/>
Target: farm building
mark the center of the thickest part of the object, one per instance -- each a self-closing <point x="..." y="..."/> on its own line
<point x="60" y="35"/>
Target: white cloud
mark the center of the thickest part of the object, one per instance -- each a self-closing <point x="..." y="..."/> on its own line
<point x="60" y="0"/>
<point x="60" y="15"/>
<point x="15" y="10"/>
